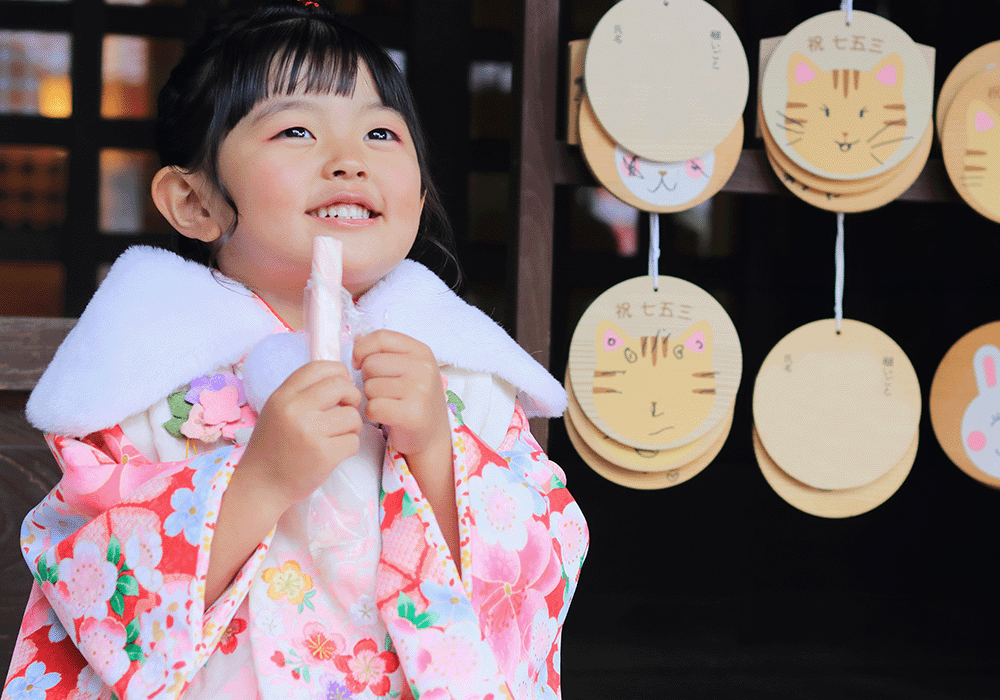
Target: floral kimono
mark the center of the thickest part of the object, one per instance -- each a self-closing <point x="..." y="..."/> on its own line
<point x="148" y="405"/>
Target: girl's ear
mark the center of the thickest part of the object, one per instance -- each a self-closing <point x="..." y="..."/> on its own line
<point x="187" y="202"/>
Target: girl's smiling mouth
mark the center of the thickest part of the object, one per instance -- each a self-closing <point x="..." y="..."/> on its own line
<point x="342" y="211"/>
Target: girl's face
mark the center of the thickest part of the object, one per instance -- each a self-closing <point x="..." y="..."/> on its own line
<point x="310" y="164"/>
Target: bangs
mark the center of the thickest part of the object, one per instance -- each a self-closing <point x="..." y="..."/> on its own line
<point x="288" y="57"/>
<point x="319" y="64"/>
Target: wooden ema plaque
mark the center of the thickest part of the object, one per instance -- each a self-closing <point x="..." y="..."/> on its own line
<point x="842" y="503"/>
<point x="864" y="201"/>
<point x="655" y="369"/>
<point x="633" y="458"/>
<point x="652" y="186"/>
<point x="667" y="81"/>
<point x="846" y="102"/>
<point x="982" y="59"/>
<point x="965" y="404"/>
<point x="633" y="479"/>
<point x="970" y="143"/>
<point x="836" y="411"/>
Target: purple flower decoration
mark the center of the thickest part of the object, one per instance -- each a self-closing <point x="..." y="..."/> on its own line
<point x="215" y="383"/>
<point x="332" y="690"/>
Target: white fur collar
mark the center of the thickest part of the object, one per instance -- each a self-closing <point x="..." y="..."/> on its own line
<point x="413" y="300"/>
<point x="159" y="321"/>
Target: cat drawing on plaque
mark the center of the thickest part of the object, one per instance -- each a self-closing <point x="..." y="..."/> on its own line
<point x="982" y="149"/>
<point x="981" y="421"/>
<point x="845" y="122"/>
<point x="664" y="184"/>
<point x="655" y="387"/>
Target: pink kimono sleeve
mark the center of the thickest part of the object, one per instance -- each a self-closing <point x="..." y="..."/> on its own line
<point x="497" y="628"/>
<point x="119" y="551"/>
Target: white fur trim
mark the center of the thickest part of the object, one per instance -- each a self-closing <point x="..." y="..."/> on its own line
<point x="156" y="322"/>
<point x="413" y="300"/>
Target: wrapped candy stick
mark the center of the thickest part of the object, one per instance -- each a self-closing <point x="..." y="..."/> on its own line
<point x="323" y="302"/>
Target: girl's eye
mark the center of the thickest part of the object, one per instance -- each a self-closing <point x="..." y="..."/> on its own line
<point x="826" y="110"/>
<point x="296" y="132"/>
<point x="381" y="134"/>
<point x="863" y="110"/>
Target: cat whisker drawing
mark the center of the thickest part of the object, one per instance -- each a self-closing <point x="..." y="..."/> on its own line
<point x="890" y="141"/>
<point x="789" y="120"/>
<point x="657" y="432"/>
<point x="897" y="122"/>
<point x="790" y="130"/>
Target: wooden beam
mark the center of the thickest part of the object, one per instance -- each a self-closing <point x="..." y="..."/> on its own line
<point x="534" y="180"/>
<point x="26" y="348"/>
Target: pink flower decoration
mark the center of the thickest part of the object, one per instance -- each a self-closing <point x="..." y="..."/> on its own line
<point x="197" y="428"/>
<point x="220" y="410"/>
<point x="221" y="406"/>
<point x="247" y="419"/>
<point x="215" y="382"/>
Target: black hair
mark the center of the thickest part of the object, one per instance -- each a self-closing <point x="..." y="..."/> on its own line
<point x="277" y="48"/>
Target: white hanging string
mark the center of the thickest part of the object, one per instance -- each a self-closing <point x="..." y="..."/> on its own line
<point x="654" y="249"/>
<point x="838" y="284"/>
<point x="847" y="5"/>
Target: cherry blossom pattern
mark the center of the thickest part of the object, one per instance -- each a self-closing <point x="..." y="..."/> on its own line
<point x="504" y="504"/>
<point x="229" y="641"/>
<point x="189" y="505"/>
<point x="33" y="684"/>
<point x="367" y="667"/>
<point x="86" y="581"/>
<point x="289" y="582"/>
<point x="106" y="639"/>
<point x="143" y="552"/>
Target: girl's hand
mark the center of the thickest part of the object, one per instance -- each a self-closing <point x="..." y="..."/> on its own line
<point x="404" y="390"/>
<point x="308" y="426"/>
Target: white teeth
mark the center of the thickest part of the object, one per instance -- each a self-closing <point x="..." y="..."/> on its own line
<point x="342" y="211"/>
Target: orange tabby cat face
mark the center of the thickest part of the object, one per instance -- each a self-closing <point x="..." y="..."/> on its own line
<point x="981" y="165"/>
<point x="654" y="388"/>
<point x="845" y="122"/>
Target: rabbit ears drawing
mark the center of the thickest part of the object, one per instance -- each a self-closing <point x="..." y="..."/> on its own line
<point x="981" y="421"/>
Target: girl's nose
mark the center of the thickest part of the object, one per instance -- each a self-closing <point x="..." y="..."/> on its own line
<point x="346" y="166"/>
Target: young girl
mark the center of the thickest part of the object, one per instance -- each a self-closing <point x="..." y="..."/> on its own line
<point x="235" y="521"/>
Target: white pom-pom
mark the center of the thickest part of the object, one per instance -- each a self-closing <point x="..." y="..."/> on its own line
<point x="270" y="363"/>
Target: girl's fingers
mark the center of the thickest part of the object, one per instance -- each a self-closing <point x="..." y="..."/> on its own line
<point x="386" y="342"/>
<point x="329" y="392"/>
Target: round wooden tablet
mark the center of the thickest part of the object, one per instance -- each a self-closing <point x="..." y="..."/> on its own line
<point x="823" y="184"/>
<point x="847" y="103"/>
<point x="653" y="186"/>
<point x="965" y="404"/>
<point x="970" y="143"/>
<point x="842" y="503"/>
<point x="655" y="369"/>
<point x="667" y="80"/>
<point x="866" y="201"/>
<point x="984" y="58"/>
<point x="633" y="458"/>
<point x="644" y="480"/>
<point x="836" y="411"/>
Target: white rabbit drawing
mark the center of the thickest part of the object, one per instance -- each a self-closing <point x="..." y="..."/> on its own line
<point x="981" y="421"/>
